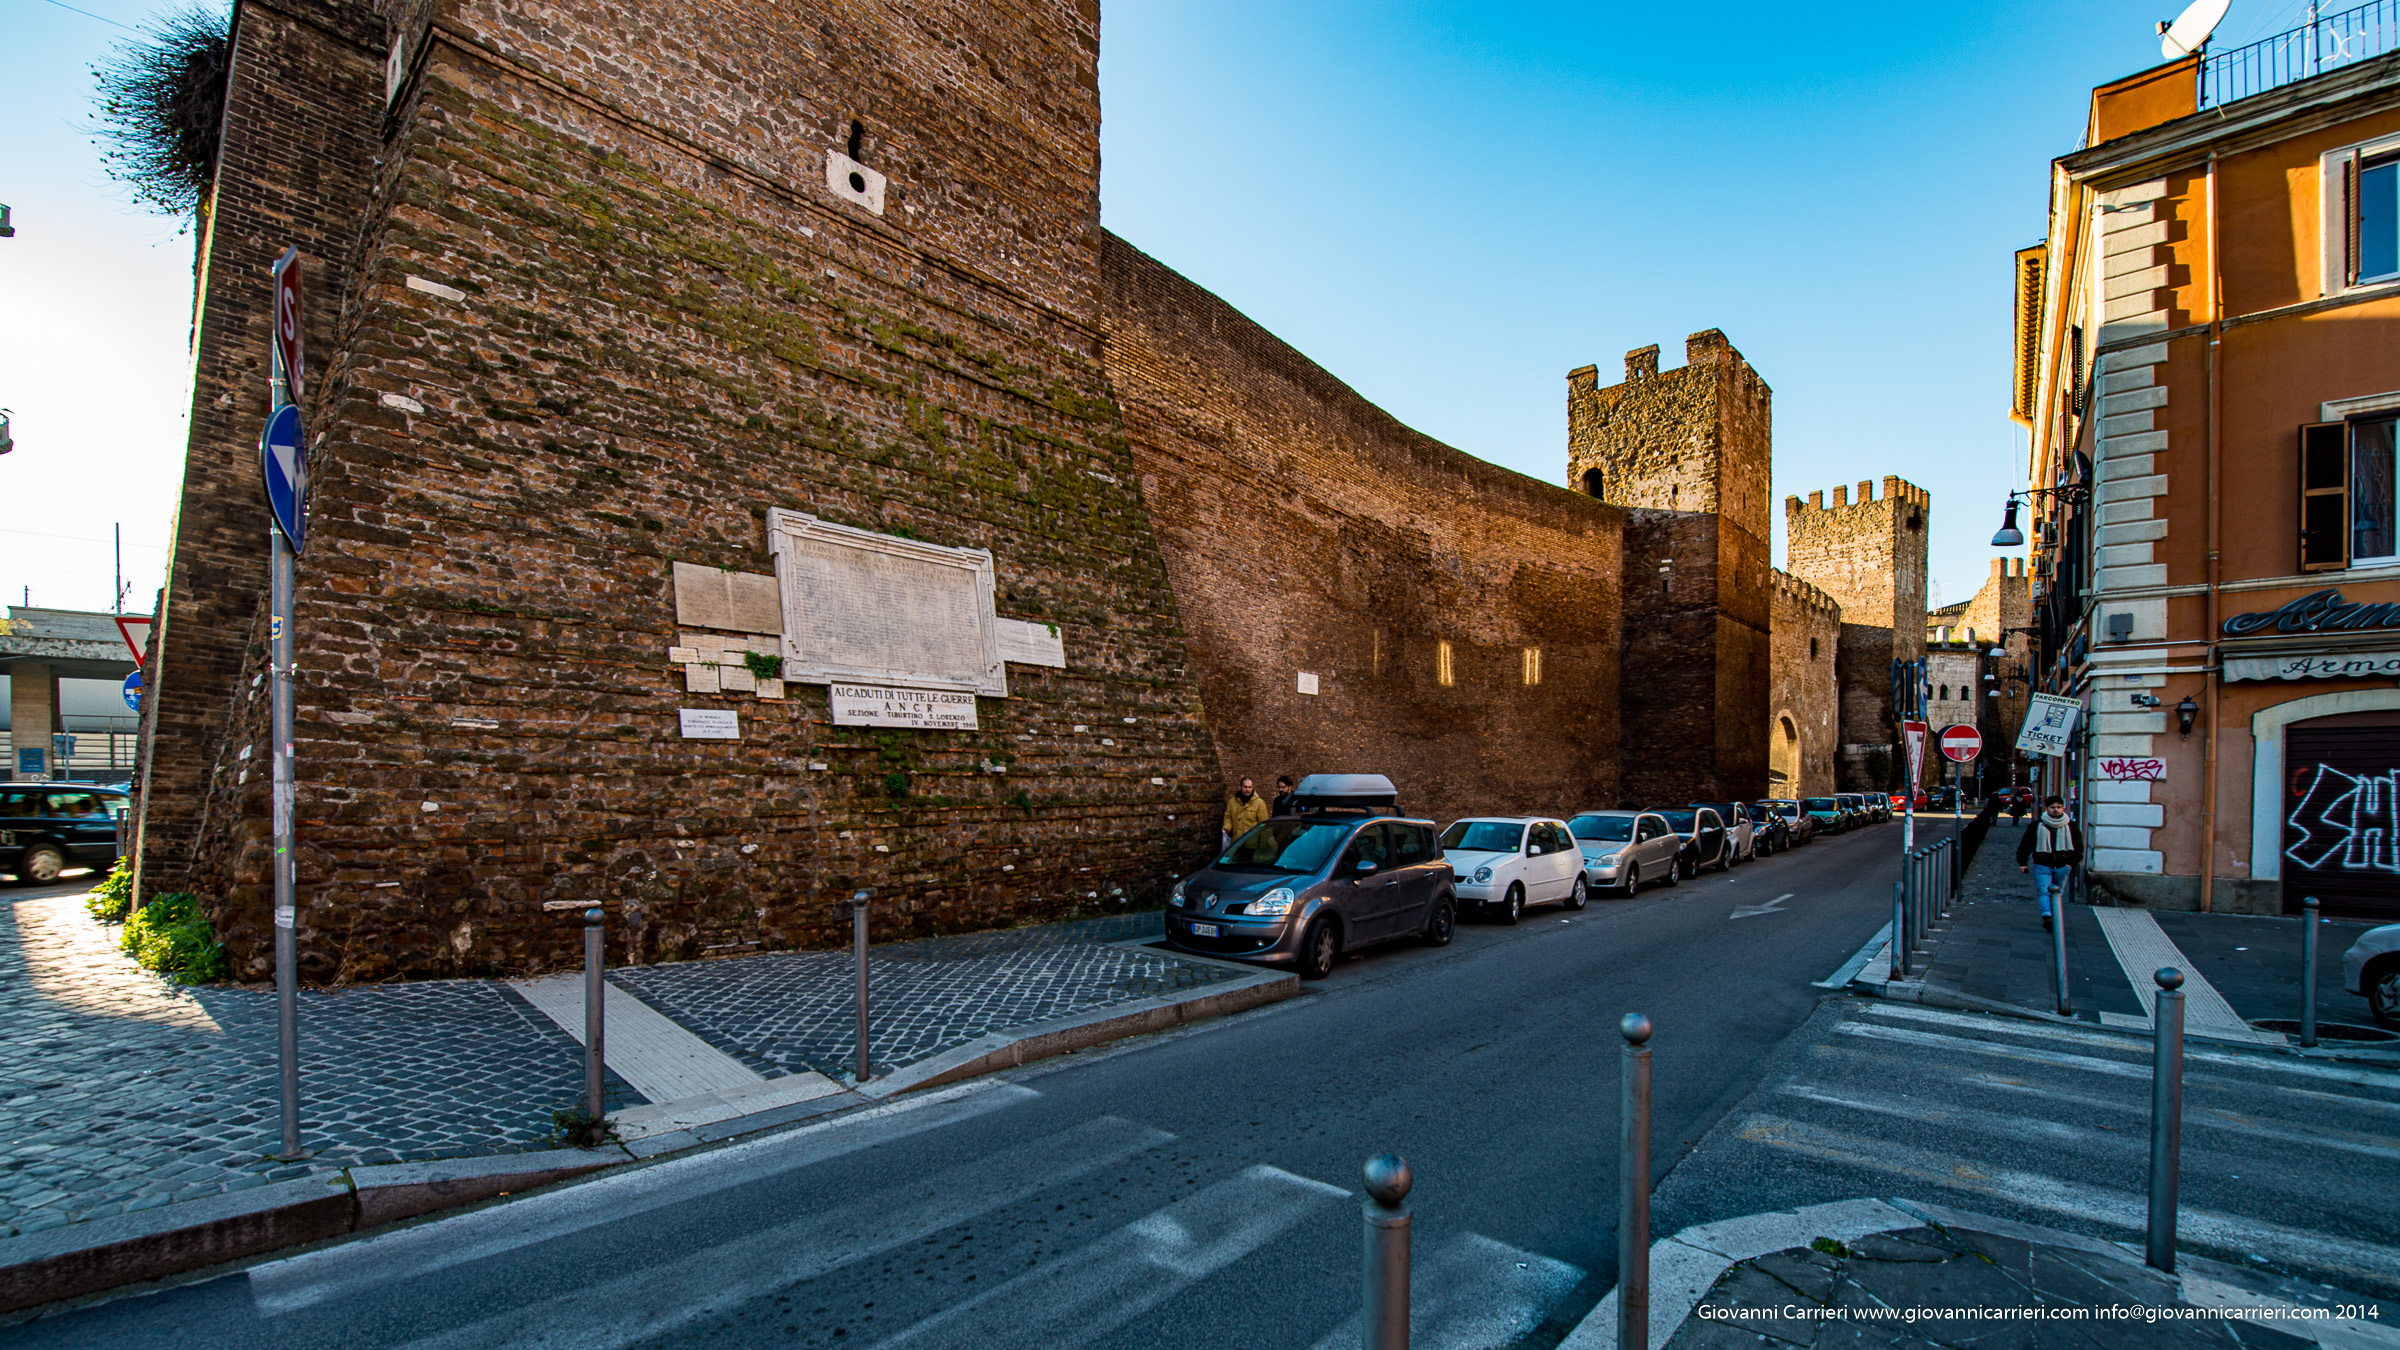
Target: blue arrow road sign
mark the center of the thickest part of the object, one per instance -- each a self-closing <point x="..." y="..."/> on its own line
<point x="133" y="691"/>
<point x="283" y="463"/>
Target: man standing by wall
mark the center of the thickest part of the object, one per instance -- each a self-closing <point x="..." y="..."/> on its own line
<point x="1243" y="811"/>
<point x="1285" y="798"/>
<point x="2049" y="850"/>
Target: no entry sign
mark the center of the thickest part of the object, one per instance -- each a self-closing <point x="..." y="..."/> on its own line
<point x="1961" y="742"/>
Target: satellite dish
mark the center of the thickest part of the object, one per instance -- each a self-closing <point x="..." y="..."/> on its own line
<point x="2190" y="30"/>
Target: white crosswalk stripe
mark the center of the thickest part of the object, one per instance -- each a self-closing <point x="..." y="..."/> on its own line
<point x="1089" y="1293"/>
<point x="1472" y="1294"/>
<point x="653" y="1299"/>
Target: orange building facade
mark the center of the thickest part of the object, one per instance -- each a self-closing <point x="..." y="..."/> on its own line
<point x="2208" y="363"/>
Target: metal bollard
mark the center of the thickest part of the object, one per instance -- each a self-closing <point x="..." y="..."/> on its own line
<point x="2058" y="945"/>
<point x="2308" y="970"/>
<point x="858" y="943"/>
<point x="2166" y="1119"/>
<point x="1386" y="1307"/>
<point x="595" y="996"/>
<point x="1633" y="1185"/>
<point x="1899" y="932"/>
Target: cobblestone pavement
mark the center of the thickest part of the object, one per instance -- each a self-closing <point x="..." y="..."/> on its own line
<point x="784" y="1012"/>
<point x="120" y="1090"/>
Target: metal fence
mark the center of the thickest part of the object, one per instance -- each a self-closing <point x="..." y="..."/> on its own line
<point x="1921" y="899"/>
<point x="2329" y="43"/>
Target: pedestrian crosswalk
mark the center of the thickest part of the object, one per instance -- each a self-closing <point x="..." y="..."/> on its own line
<point x="2051" y="1125"/>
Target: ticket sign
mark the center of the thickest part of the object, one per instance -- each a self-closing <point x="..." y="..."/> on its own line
<point x="2049" y="725"/>
<point x="867" y="705"/>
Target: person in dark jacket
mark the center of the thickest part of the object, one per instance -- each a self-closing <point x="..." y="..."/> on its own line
<point x="1285" y="798"/>
<point x="2049" y="850"/>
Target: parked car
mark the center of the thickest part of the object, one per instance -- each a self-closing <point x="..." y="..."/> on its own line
<point x="2371" y="970"/>
<point x="1799" y="826"/>
<point x="1831" y="814"/>
<point x="1741" y="837"/>
<point x="1774" y="834"/>
<point x="1302" y="890"/>
<point x="46" y="828"/>
<point x="1703" y="839"/>
<point x="1623" y="849"/>
<point x="1505" y="863"/>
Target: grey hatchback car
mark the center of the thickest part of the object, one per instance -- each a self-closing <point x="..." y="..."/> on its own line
<point x="1302" y="890"/>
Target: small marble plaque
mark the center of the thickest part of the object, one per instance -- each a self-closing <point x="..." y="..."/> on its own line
<point x="701" y="678"/>
<point x="770" y="689"/>
<point x="735" y="677"/>
<point x="1032" y="644"/>
<point x="710" y="724"/>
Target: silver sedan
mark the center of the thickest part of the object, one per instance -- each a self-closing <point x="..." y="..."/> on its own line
<point x="1623" y="849"/>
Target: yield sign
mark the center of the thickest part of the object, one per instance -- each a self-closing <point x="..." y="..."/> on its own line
<point x="1913" y="732"/>
<point x="135" y="628"/>
<point x="1961" y="742"/>
<point x="283" y="463"/>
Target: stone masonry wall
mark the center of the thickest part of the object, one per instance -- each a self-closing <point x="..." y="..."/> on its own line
<point x="295" y="167"/>
<point x="1803" y="731"/>
<point x="2004" y="602"/>
<point x="1686" y="453"/>
<point x="1309" y="534"/>
<point x="607" y="314"/>
<point x="1869" y="555"/>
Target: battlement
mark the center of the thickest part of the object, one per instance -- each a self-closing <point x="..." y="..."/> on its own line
<point x="1805" y="595"/>
<point x="1895" y="489"/>
<point x="2008" y="569"/>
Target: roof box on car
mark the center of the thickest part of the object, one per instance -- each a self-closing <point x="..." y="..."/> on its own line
<point x="1370" y="792"/>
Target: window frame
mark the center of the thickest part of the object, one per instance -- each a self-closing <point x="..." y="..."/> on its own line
<point x="2338" y="174"/>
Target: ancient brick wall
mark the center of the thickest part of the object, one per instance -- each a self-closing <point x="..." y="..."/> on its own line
<point x="1460" y="621"/>
<point x="608" y="313"/>
<point x="1869" y="555"/>
<point x="1686" y="453"/>
<point x="295" y="167"/>
<point x="2004" y="602"/>
<point x="1803" y="727"/>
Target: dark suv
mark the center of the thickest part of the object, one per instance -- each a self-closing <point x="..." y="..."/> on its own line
<point x="1302" y="889"/>
<point x="46" y="828"/>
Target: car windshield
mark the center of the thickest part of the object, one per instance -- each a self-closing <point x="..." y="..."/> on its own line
<point x="1758" y="811"/>
<point x="1724" y="810"/>
<point x="1483" y="836"/>
<point x="1298" y="846"/>
<point x="1822" y="804"/>
<point x="1679" y="821"/>
<point x="1602" y="829"/>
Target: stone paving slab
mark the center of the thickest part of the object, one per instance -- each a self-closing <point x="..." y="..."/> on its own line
<point x="793" y="1012"/>
<point x="2254" y="961"/>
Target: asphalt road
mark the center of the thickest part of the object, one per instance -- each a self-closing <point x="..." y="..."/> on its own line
<point x="1193" y="1189"/>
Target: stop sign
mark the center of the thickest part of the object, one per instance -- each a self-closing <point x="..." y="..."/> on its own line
<point x="1961" y="743"/>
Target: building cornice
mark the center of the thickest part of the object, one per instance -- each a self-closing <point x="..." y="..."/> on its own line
<point x="2321" y="100"/>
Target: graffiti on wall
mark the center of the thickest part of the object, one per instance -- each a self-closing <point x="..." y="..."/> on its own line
<point x="2345" y="823"/>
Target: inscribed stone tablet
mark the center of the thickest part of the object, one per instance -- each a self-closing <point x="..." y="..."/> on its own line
<point x="710" y="724"/>
<point x="711" y="597"/>
<point x="700" y="678"/>
<point x="884" y="610"/>
<point x="1032" y="644"/>
<point x="861" y="705"/>
<point x="736" y="678"/>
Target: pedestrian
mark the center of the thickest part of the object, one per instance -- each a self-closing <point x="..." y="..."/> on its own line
<point x="1287" y="802"/>
<point x="2016" y="806"/>
<point x="2049" y="851"/>
<point x="1243" y="812"/>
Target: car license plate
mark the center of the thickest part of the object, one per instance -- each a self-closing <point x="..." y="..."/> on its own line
<point x="1204" y="930"/>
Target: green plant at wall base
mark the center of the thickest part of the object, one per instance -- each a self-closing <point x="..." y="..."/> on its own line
<point x="763" y="666"/>
<point x="112" y="899"/>
<point x="170" y="935"/>
<point x="895" y="785"/>
<point x="577" y="1127"/>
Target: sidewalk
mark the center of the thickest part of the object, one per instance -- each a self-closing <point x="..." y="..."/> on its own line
<point x="1899" y="1272"/>
<point x="122" y="1093"/>
<point x="2242" y="973"/>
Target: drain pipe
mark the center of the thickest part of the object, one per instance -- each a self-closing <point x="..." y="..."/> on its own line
<point x="2210" y="669"/>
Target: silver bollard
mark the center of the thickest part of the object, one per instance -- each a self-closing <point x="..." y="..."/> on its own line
<point x="2308" y="971"/>
<point x="2166" y="1119"/>
<point x="858" y="942"/>
<point x="1386" y="1305"/>
<point x="595" y="1020"/>
<point x="1633" y="1186"/>
<point x="2058" y="945"/>
<point x="1899" y="932"/>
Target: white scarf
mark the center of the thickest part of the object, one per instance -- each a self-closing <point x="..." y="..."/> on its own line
<point x="2053" y="837"/>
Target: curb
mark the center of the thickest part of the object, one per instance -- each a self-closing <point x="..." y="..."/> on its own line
<point x="90" y="1257"/>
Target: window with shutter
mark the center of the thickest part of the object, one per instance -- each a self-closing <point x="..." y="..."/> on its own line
<point x="2375" y="254"/>
<point x="2324" y="496"/>
<point x="2372" y="497"/>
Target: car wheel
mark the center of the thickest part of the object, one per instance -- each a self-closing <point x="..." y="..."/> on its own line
<point x="1577" y="897"/>
<point x="1725" y="856"/>
<point x="1442" y="924"/>
<point x="2383" y="994"/>
<point x="1320" y="947"/>
<point x="41" y="865"/>
<point x="1675" y="871"/>
<point x="1633" y="880"/>
<point x="1513" y="908"/>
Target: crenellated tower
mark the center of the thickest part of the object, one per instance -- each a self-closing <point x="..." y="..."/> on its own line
<point x="1869" y="555"/>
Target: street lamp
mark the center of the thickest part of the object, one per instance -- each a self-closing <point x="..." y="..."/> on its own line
<point x="2186" y="713"/>
<point x="2009" y="536"/>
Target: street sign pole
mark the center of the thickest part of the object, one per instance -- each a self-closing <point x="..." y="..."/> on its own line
<point x="282" y="358"/>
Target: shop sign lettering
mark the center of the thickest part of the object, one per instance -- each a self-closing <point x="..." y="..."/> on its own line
<point x="2322" y="612"/>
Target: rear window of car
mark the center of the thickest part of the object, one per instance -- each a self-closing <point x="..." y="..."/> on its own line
<point x="1678" y="821"/>
<point x="1483" y="836"/>
<point x="1602" y="829"/>
<point x="1294" y="846"/>
<point x="1822" y="804"/>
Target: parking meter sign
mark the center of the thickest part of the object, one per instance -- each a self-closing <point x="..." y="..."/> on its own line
<point x="283" y="464"/>
<point x="1961" y="743"/>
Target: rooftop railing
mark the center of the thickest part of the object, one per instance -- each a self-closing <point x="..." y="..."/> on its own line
<point x="2331" y="42"/>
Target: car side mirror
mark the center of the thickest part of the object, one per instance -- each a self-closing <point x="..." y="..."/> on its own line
<point x="1534" y="852"/>
<point x="1364" y="866"/>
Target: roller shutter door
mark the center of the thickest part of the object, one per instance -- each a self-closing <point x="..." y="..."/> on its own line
<point x="2341" y="830"/>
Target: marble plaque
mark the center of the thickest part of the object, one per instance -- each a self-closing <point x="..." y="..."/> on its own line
<point x="700" y="677"/>
<point x="866" y="705"/>
<point x="1032" y="644"/>
<point x="711" y="724"/>
<point x="880" y="610"/>
<point x="711" y="597"/>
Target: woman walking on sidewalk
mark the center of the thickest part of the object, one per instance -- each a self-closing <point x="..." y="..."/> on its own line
<point x="2051" y="848"/>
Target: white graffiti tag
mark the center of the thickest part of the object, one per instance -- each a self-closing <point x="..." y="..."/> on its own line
<point x="2347" y="824"/>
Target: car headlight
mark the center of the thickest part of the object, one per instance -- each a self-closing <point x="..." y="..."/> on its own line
<point x="1273" y="905"/>
<point x="1608" y="860"/>
<point x="1483" y="873"/>
<point x="1175" y="897"/>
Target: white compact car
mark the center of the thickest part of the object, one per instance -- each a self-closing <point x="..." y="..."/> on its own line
<point x="1505" y="863"/>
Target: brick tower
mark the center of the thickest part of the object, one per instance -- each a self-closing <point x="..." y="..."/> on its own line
<point x="1686" y="453"/>
<point x="1869" y="555"/>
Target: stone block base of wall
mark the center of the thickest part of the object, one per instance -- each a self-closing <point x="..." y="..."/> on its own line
<point x="2232" y="895"/>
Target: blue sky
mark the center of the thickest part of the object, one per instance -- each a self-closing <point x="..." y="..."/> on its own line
<point x="1448" y="205"/>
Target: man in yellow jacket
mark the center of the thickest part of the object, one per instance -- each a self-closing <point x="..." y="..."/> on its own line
<point x="1244" y="811"/>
